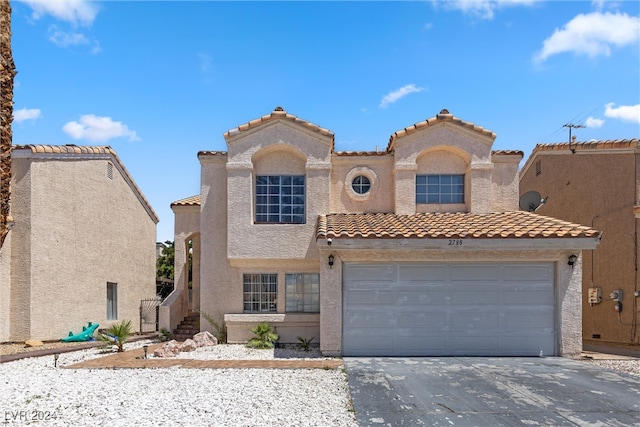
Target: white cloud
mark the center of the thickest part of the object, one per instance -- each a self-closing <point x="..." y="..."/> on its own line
<point x="65" y="39"/>
<point x="98" y="129"/>
<point x="392" y="97"/>
<point x="483" y="9"/>
<point x="592" y="34"/>
<point x="76" y="12"/>
<point x="26" y="114"/>
<point x="627" y="113"/>
<point x="593" y="122"/>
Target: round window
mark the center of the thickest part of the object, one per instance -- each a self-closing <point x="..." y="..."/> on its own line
<point x="361" y="184"/>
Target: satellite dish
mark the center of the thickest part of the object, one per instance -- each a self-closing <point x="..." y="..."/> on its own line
<point x="531" y="201"/>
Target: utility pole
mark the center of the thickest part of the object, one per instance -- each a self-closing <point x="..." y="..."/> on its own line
<point x="572" y="126"/>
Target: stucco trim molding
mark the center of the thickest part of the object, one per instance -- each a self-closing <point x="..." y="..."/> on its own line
<point x="463" y="245"/>
<point x="248" y="166"/>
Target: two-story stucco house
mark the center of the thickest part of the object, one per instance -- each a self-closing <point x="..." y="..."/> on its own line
<point x="82" y="246"/>
<point x="597" y="183"/>
<point x="416" y="250"/>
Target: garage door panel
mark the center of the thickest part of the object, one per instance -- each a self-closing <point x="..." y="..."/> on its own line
<point x="449" y="309"/>
<point x="435" y="273"/>
<point x="474" y="321"/>
<point x="422" y="297"/>
<point x="432" y="319"/>
<point x="371" y="272"/>
<point x="483" y="343"/>
<point x="528" y="297"/>
<point x="369" y="319"/>
<point x="475" y="273"/>
<point x="362" y="298"/>
<point x="474" y="296"/>
<point x="526" y="272"/>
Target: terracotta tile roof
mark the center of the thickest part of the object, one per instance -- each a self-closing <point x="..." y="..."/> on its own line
<point x="278" y="114"/>
<point x="81" y="150"/>
<point x="66" y="149"/>
<point x="360" y="153"/>
<point x="508" y="152"/>
<point x="500" y="225"/>
<point x="442" y="117"/>
<point x="588" y="145"/>
<point x="211" y="153"/>
<point x="189" y="201"/>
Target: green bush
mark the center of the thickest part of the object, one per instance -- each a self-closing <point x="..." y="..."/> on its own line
<point x="265" y="336"/>
<point x="118" y="334"/>
<point x="305" y="343"/>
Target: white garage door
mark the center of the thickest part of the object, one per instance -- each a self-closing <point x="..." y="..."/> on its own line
<point x="504" y="309"/>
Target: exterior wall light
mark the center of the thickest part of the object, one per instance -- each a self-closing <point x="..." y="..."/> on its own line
<point x="331" y="259"/>
<point x="572" y="260"/>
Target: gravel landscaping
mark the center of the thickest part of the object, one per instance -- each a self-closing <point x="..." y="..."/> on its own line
<point x="33" y="391"/>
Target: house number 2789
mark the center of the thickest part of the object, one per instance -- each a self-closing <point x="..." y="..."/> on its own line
<point x="455" y="242"/>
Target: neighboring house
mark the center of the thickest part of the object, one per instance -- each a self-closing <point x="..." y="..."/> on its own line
<point x="82" y="247"/>
<point x="416" y="250"/>
<point x="597" y="183"/>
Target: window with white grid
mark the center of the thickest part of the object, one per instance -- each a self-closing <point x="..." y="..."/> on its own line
<point x="440" y="189"/>
<point x="303" y="292"/>
<point x="280" y="199"/>
<point x="260" y="292"/>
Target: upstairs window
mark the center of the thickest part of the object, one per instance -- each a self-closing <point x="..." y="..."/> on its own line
<point x="361" y="184"/>
<point x="280" y="199"/>
<point x="440" y="189"/>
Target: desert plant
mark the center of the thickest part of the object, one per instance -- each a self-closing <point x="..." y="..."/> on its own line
<point x="220" y="328"/>
<point x="165" y="334"/>
<point x="305" y="343"/>
<point x="265" y="336"/>
<point x="117" y="334"/>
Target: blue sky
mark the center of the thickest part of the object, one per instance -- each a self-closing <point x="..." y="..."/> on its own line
<point x="159" y="81"/>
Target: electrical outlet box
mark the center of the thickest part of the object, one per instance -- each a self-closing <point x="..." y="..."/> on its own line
<point x="594" y="296"/>
<point x="616" y="295"/>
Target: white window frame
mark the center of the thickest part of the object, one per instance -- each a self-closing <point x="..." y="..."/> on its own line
<point x="302" y="293"/>
<point x="440" y="189"/>
<point x="280" y="199"/>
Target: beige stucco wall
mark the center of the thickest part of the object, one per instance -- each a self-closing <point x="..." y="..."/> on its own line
<point x="75" y="230"/>
<point x="597" y="188"/>
<point x="454" y="145"/>
<point x="5" y="288"/>
<point x="379" y="170"/>
<point x="216" y="276"/>
<point x="284" y="149"/>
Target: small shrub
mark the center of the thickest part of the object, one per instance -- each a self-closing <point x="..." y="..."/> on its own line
<point x="118" y="334"/>
<point x="265" y="336"/>
<point x="220" y="328"/>
<point x="165" y="335"/>
<point x="305" y="343"/>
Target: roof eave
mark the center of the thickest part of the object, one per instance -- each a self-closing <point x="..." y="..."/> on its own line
<point x="472" y="244"/>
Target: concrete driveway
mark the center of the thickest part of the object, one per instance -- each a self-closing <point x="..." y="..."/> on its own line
<point x="477" y="391"/>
